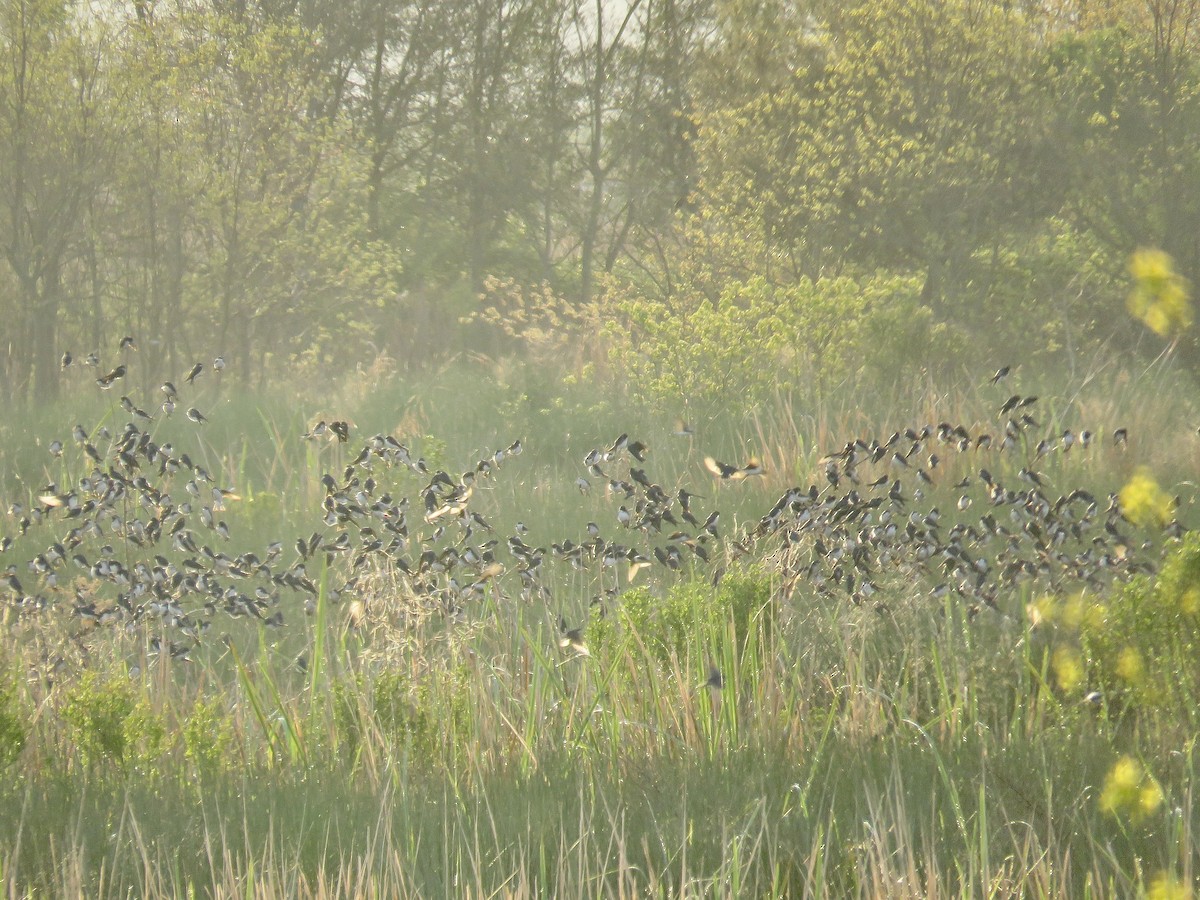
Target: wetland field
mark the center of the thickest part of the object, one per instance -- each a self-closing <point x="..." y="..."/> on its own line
<point x="480" y="635"/>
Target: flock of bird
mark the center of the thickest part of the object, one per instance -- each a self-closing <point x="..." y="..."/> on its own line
<point x="135" y="541"/>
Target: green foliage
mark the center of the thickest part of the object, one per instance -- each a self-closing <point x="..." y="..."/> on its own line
<point x="693" y="613"/>
<point x="1141" y="646"/>
<point x="754" y="338"/>
<point x="12" y="727"/>
<point x="899" y="127"/>
<point x="391" y="707"/>
<point x="401" y="713"/>
<point x="208" y="737"/>
<point x="111" y="723"/>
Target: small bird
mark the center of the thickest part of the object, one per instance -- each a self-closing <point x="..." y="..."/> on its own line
<point x="715" y="680"/>
<point x="169" y="389"/>
<point x="1121" y="437"/>
<point x="727" y="472"/>
<point x="752" y="467"/>
<point x="682" y="429"/>
<point x="196" y="416"/>
<point x="66" y="360"/>
<point x="572" y="638"/>
<point x="721" y="470"/>
<point x="106" y="381"/>
<point x="127" y="343"/>
<point x="1000" y="375"/>
<point x="196" y="370"/>
<point x="219" y="364"/>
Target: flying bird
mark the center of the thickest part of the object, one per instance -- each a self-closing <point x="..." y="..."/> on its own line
<point x="727" y="472"/>
<point x="106" y="381"/>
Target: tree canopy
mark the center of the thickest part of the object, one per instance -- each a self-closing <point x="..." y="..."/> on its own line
<point x="294" y="186"/>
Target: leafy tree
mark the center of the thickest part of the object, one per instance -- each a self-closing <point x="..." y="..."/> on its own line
<point x="252" y="208"/>
<point x="1130" y="108"/>
<point x="54" y="153"/>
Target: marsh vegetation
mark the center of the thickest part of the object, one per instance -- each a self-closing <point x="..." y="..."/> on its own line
<point x="669" y="448"/>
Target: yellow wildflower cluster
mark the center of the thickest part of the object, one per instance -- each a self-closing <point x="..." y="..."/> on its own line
<point x="1167" y="887"/>
<point x="1160" y="296"/>
<point x="1129" y="790"/>
<point x="1144" y="503"/>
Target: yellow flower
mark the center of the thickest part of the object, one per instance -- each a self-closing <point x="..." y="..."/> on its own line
<point x="1129" y="790"/>
<point x="1043" y="609"/>
<point x="1190" y="601"/>
<point x="1143" y="502"/>
<point x="1160" y="296"/>
<point x="1068" y="668"/>
<point x="1167" y="887"/>
<point x="1130" y="665"/>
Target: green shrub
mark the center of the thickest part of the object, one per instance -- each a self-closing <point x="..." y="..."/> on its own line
<point x="1138" y="647"/>
<point x="1145" y="642"/>
<point x="753" y="338"/>
<point x="111" y="723"/>
<point x="693" y="612"/>
<point x="208" y="737"/>
<point x="390" y="706"/>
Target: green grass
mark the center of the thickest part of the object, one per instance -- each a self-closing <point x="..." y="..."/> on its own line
<point x="384" y="745"/>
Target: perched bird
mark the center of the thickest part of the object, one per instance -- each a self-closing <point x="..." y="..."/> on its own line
<point x="219" y="364"/>
<point x="127" y="343"/>
<point x="66" y="360"/>
<point x="1000" y="375"/>
<point x="715" y="680"/>
<point x="196" y="416"/>
<point x="196" y="370"/>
